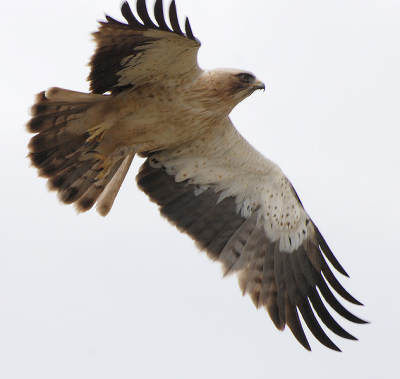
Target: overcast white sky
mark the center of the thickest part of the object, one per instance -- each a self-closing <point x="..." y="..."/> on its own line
<point x="128" y="295"/>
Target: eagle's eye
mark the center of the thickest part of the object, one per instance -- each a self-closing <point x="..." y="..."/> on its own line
<point x="246" y="78"/>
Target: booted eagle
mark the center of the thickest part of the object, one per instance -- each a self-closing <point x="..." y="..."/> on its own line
<point x="149" y="97"/>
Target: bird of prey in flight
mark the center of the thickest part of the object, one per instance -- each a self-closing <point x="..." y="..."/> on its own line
<point x="148" y="96"/>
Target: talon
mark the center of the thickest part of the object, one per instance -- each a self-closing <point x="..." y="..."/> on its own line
<point x="88" y="143"/>
<point x="96" y="133"/>
<point x="104" y="166"/>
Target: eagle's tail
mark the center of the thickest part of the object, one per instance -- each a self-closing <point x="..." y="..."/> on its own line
<point x="64" y="149"/>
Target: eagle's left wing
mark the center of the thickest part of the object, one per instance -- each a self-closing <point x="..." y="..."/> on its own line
<point x="141" y="53"/>
<point x="243" y="211"/>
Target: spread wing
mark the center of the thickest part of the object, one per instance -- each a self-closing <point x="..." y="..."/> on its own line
<point x="139" y="53"/>
<point x="243" y="212"/>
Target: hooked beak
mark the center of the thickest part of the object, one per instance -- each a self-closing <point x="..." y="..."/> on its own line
<point x="259" y="85"/>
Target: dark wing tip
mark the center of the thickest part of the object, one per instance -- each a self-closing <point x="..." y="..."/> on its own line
<point x="159" y="15"/>
<point x="326" y="317"/>
<point x="336" y="285"/>
<point x="144" y="14"/>
<point x="173" y="18"/>
<point x="334" y="303"/>
<point x="294" y="324"/>
<point x="110" y="20"/>
<point x="328" y="253"/>
<point x="129" y="17"/>
<point x="314" y="326"/>
<point x="189" y="32"/>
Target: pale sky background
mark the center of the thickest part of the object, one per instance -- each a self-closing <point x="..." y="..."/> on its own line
<point x="128" y="296"/>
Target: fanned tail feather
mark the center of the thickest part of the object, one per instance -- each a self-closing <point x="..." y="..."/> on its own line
<point x="62" y="153"/>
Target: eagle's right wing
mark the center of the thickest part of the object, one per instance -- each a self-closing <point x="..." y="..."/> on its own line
<point x="243" y="211"/>
<point x="135" y="54"/>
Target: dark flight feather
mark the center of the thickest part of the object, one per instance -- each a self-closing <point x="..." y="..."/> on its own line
<point x="283" y="283"/>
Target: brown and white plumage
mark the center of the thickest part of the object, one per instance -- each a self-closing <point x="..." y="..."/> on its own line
<point x="207" y="180"/>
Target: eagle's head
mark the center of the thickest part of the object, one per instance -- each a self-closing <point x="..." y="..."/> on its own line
<point x="228" y="87"/>
<point x="244" y="83"/>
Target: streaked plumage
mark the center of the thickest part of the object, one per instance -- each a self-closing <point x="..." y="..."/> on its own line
<point x="206" y="179"/>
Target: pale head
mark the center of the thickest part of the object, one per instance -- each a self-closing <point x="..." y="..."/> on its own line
<point x="226" y="87"/>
